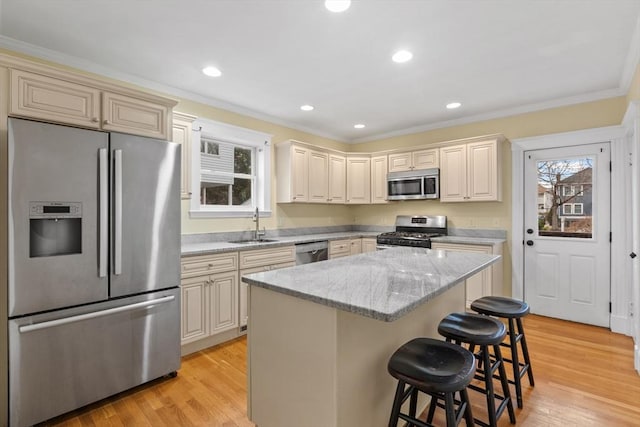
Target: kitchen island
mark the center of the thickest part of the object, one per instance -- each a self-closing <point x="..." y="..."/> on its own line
<point x="320" y="335"/>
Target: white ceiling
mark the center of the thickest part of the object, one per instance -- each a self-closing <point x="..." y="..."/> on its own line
<point x="497" y="57"/>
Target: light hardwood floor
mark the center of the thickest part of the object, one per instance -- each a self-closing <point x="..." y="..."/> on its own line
<point x="584" y="377"/>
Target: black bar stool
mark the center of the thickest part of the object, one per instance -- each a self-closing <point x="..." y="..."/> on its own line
<point x="514" y="311"/>
<point x="486" y="333"/>
<point x="437" y="368"/>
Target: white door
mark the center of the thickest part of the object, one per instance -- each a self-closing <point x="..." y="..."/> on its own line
<point x="567" y="231"/>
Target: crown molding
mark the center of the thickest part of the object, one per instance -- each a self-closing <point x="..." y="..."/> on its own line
<point x="91" y="67"/>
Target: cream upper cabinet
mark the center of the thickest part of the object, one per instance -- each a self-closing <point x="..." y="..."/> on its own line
<point x="182" y="130"/>
<point x="470" y="172"/>
<point x="45" y="98"/>
<point x="379" y="179"/>
<point x="410" y="160"/>
<point x="358" y="180"/>
<point x="292" y="166"/>
<point x="337" y="178"/>
<point x="63" y="100"/>
<point x="122" y="113"/>
<point x="309" y="175"/>
<point x="318" y="177"/>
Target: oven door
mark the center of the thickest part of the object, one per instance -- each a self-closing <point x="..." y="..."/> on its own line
<point x="405" y="188"/>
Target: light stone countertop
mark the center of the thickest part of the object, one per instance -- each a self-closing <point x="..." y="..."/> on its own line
<point x="217" y="247"/>
<point x="205" y="248"/>
<point x="384" y="285"/>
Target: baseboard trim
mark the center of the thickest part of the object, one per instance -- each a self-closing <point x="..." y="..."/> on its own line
<point x="637" y="357"/>
<point x="621" y="325"/>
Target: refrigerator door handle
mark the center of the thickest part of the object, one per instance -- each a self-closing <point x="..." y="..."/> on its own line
<point x="103" y="227"/>
<point x="93" y="315"/>
<point x="117" y="237"/>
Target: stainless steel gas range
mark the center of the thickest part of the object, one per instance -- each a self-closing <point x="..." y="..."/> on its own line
<point x="415" y="231"/>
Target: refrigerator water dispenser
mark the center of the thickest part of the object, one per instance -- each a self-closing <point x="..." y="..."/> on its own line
<point x="55" y="228"/>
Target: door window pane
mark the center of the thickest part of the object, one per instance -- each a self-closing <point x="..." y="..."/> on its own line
<point x="565" y="198"/>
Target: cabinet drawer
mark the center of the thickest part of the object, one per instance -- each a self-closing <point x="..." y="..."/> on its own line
<point x="196" y="265"/>
<point x="339" y="248"/>
<point x="54" y="100"/>
<point x="263" y="257"/>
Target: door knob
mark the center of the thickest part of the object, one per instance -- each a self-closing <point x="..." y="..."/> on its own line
<point x="529" y="242"/>
<point x="529" y="231"/>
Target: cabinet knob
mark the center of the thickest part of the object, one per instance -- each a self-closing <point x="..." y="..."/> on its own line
<point x="95" y="120"/>
<point x="107" y="122"/>
<point x="210" y="265"/>
<point x="293" y="198"/>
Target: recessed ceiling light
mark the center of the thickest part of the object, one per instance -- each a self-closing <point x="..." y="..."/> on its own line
<point x="212" y="71"/>
<point x="453" y="105"/>
<point x="306" y="107"/>
<point x="402" y="56"/>
<point x="337" y="5"/>
<point x="358" y="126"/>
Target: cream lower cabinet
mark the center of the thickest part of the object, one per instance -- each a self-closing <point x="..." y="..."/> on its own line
<point x="355" y="246"/>
<point x="339" y="248"/>
<point x="209" y="293"/>
<point x="471" y="172"/>
<point x="259" y="260"/>
<point x="488" y="281"/>
<point x="369" y="244"/>
<point x="78" y="101"/>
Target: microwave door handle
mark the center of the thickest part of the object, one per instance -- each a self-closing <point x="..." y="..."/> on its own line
<point x="103" y="201"/>
<point x="117" y="226"/>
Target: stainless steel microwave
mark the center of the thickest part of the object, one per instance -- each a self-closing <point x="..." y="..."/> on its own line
<point x="415" y="184"/>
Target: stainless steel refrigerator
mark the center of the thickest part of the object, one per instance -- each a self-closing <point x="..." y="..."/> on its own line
<point x="94" y="266"/>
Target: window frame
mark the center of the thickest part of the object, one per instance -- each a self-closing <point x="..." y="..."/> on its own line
<point x="235" y="135"/>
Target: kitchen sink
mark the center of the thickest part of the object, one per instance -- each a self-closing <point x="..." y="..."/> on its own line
<point x="252" y="241"/>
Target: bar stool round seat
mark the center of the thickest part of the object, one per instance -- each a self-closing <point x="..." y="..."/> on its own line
<point x="472" y="328"/>
<point x="512" y="310"/>
<point x="486" y="333"/>
<point x="437" y="368"/>
<point x="500" y="307"/>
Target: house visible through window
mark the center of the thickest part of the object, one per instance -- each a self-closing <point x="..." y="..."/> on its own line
<point x="231" y="170"/>
<point x="228" y="177"/>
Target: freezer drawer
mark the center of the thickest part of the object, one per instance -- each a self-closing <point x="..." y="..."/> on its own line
<point x="63" y="360"/>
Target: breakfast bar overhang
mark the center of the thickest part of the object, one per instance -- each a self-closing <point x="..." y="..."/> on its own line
<point x="320" y="335"/>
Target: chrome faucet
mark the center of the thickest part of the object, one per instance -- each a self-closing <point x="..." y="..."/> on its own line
<point x="257" y="234"/>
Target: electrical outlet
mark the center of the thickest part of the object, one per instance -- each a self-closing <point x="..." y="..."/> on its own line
<point x="280" y="221"/>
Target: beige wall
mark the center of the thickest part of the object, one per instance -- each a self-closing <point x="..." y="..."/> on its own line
<point x="634" y="89"/>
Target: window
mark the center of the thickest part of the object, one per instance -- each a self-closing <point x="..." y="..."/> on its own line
<point x="568" y="190"/>
<point x="566" y="209"/>
<point x="572" y="209"/>
<point x="577" y="208"/>
<point x="231" y="169"/>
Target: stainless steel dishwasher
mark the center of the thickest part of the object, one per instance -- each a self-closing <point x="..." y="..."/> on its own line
<point x="312" y="252"/>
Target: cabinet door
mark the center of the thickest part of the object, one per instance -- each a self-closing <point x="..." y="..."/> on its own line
<point x="425" y="159"/>
<point x="223" y="302"/>
<point x="358" y="180"/>
<point x="337" y="178"/>
<point x="379" y="179"/>
<point x="356" y="247"/>
<point x="182" y="129"/>
<point x="53" y="100"/>
<point x="400" y="162"/>
<point x="319" y="177"/>
<point x="453" y="174"/>
<point x="478" y="285"/>
<point x="299" y="174"/>
<point x="121" y="113"/>
<point x="193" y="294"/>
<point x="368" y="245"/>
<point x="483" y="175"/>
